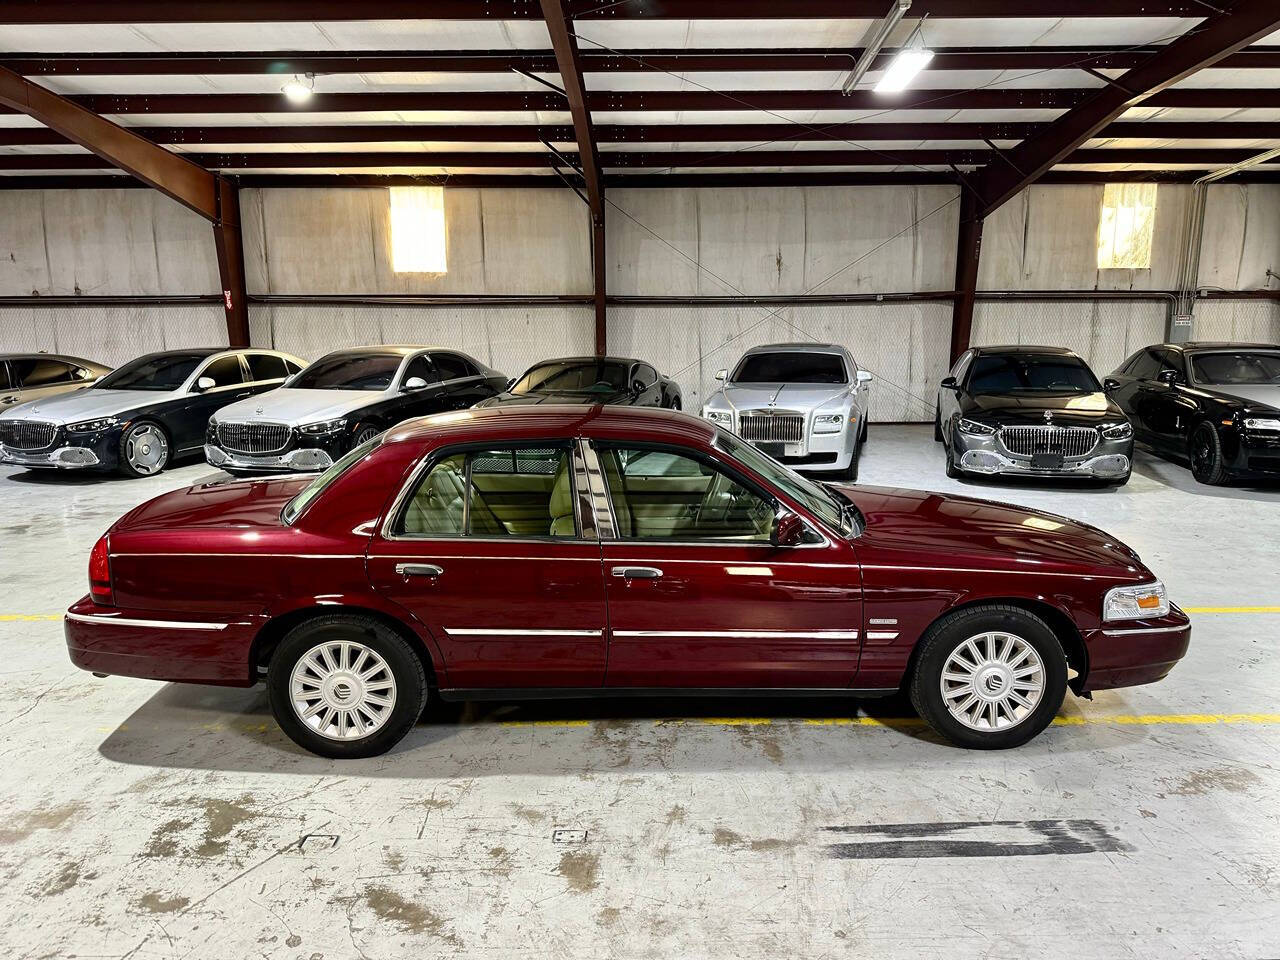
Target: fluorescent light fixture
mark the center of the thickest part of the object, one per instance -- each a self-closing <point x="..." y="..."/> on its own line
<point x="911" y="58"/>
<point x="417" y="230"/>
<point x="872" y="41"/>
<point x="299" y="90"/>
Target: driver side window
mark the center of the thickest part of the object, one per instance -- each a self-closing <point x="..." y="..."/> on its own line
<point x="663" y="495"/>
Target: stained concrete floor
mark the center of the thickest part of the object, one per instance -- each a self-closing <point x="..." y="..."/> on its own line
<point x="149" y="820"/>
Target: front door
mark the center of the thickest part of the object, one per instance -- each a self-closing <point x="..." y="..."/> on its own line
<point x="487" y="551"/>
<point x="699" y="597"/>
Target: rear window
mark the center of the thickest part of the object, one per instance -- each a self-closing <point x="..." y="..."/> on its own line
<point x="790" y="368"/>
<point x="293" y="509"/>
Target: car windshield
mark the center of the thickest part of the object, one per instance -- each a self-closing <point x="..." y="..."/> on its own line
<point x="293" y="509"/>
<point x="166" y="371"/>
<point x="1031" y="373"/>
<point x="575" y="376"/>
<point x="790" y="368"/>
<point x="1236" y="367"/>
<point x="834" y="509"/>
<point x="350" y="371"/>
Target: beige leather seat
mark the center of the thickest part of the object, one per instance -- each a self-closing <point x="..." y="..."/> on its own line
<point x="436" y="508"/>
<point x="561" y="505"/>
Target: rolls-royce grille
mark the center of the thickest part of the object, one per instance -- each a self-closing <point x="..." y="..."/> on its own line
<point x="27" y="434"/>
<point x="253" y="437"/>
<point x="1070" y="441"/>
<point x="771" y="429"/>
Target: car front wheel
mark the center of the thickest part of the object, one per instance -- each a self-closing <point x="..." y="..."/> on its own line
<point x="989" y="677"/>
<point x="144" y="449"/>
<point x="345" y="686"/>
<point x="1207" y="464"/>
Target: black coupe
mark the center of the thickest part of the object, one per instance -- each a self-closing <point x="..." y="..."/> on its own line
<point x="1216" y="405"/>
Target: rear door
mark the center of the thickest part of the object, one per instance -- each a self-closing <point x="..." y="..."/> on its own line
<point x="464" y="386"/>
<point x="487" y="548"/>
<point x="699" y="597"/>
<point x="36" y="377"/>
<point x="1169" y="410"/>
<point x="1134" y="390"/>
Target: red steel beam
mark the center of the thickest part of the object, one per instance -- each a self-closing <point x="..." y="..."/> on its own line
<point x="1245" y="22"/>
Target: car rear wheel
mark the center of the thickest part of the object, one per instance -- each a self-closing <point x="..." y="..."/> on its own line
<point x="345" y="686"/>
<point x="989" y="677"/>
<point x="144" y="449"/>
<point x="1206" y="456"/>
<point x="937" y="424"/>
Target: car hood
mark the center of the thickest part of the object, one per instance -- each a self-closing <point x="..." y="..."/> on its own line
<point x="86" y="405"/>
<point x="519" y="399"/>
<point x="783" y="396"/>
<point x="223" y="503"/>
<point x="296" y="406"/>
<point x="1080" y="409"/>
<point x="917" y="527"/>
<point x="1265" y="394"/>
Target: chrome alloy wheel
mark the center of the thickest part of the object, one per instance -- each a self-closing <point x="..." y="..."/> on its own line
<point x="146" y="448"/>
<point x="342" y="690"/>
<point x="365" y="435"/>
<point x="993" y="681"/>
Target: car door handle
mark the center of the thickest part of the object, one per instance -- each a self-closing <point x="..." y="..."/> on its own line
<point x="637" y="573"/>
<point x="418" y="570"/>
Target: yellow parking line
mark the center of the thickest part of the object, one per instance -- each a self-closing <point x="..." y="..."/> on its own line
<point x="28" y="617"/>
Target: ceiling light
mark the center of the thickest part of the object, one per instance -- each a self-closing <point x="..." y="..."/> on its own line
<point x="911" y="58"/>
<point x="875" y="37"/>
<point x="299" y="90"/>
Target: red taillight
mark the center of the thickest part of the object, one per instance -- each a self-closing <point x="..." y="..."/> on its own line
<point x="100" y="572"/>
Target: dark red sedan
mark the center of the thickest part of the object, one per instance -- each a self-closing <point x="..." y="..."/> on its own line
<point x="604" y="551"/>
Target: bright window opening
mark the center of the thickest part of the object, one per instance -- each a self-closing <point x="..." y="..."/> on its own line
<point x="1126" y="227"/>
<point x="417" y="230"/>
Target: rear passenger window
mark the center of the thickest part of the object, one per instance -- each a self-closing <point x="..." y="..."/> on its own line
<point x="264" y="366"/>
<point x="452" y="367"/>
<point x="1145" y="366"/>
<point x="224" y="372"/>
<point x="38" y="372"/>
<point x="502" y="492"/>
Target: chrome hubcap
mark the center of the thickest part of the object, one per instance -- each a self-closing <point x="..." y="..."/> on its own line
<point x="992" y="681"/>
<point x="342" y="690"/>
<point x="367" y="434"/>
<point x="146" y="449"/>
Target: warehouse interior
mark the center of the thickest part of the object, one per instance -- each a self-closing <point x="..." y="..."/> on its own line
<point x="677" y="181"/>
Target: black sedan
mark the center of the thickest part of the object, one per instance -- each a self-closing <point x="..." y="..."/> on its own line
<point x="142" y="415"/>
<point x="1031" y="411"/>
<point x="611" y="380"/>
<point x="1216" y="405"/>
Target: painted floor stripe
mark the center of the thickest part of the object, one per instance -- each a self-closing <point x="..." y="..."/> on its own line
<point x="28" y="617"/>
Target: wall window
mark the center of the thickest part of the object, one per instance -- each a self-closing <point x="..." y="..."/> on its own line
<point x="1126" y="227"/>
<point x="417" y="230"/>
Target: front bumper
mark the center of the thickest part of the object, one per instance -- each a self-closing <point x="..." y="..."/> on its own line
<point x="1132" y="652"/>
<point x="299" y="460"/>
<point x="1109" y="459"/>
<point x="89" y="451"/>
<point x="813" y="452"/>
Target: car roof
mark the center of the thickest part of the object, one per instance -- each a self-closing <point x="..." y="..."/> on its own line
<point x="504" y="423"/>
<point x="586" y="359"/>
<point x="1026" y="348"/>
<point x="385" y="349"/>
<point x="797" y="348"/>
<point x="41" y="355"/>
<point x="1205" y="346"/>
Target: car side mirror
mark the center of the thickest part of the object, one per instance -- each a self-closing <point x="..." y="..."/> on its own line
<point x="1169" y="376"/>
<point x="1109" y="384"/>
<point x="205" y="383"/>
<point x="511" y="383"/>
<point x="787" y="530"/>
<point x="722" y="375"/>
<point x="864" y="377"/>
<point x="949" y="383"/>
<point x="414" y="383"/>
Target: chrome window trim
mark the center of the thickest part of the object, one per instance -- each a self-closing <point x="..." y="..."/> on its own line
<point x="159" y="624"/>
<point x="588" y="522"/>
<point x="601" y="501"/>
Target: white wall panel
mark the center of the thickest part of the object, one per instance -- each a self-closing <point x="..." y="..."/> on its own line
<point x="1251" y="321"/>
<point x="111" y="335"/>
<point x="904" y="345"/>
<point x="1241" y="237"/>
<point x="1103" y="332"/>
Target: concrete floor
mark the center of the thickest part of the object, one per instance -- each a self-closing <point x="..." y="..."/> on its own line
<point x="150" y="820"/>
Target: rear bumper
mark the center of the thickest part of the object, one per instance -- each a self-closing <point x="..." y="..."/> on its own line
<point x="1136" y="651"/>
<point x="144" y="643"/>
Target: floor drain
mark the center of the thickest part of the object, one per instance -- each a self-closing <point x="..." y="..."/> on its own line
<point x="568" y="836"/>
<point x="314" y="843"/>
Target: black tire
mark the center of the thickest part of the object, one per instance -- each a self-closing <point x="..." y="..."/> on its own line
<point x="130" y="436"/>
<point x="409" y="696"/>
<point x="937" y="424"/>
<point x="850" y="473"/>
<point x="866" y="432"/>
<point x="952" y="632"/>
<point x="953" y="471"/>
<point x="675" y="403"/>
<point x="1205" y="453"/>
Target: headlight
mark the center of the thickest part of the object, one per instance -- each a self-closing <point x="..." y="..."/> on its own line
<point x="1117" y="431"/>
<point x="975" y="429"/>
<point x="1136" y="603"/>
<point x="92" y="426"/>
<point x="828" y="422"/>
<point x="1261" y="423"/>
<point x="322" y="428"/>
<point x="720" y="417"/>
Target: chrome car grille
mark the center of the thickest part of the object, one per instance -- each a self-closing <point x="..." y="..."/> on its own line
<point x="771" y="428"/>
<point x="1072" y="441"/>
<point x="27" y="434"/>
<point x="253" y="437"/>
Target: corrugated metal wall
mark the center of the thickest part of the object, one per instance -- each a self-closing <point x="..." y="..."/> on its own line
<point x="111" y="334"/>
